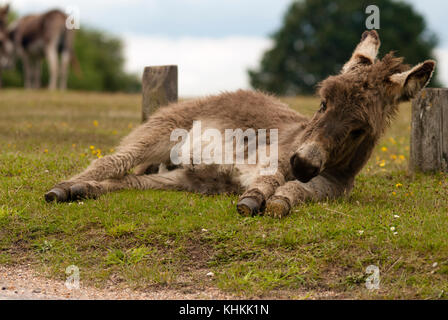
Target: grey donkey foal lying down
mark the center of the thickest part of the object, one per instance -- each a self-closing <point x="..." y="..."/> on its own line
<point x="318" y="158"/>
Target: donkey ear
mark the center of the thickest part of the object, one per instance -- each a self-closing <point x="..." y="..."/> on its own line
<point x="412" y="81"/>
<point x="366" y="51"/>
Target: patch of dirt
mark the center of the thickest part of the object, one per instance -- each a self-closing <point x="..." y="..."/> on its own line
<point x="22" y="283"/>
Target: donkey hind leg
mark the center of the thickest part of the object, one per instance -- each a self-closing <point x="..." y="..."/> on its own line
<point x="294" y="192"/>
<point x="63" y="69"/>
<point x="171" y="180"/>
<point x="262" y="188"/>
<point x="109" y="167"/>
<point x="138" y="147"/>
<point x="51" y="54"/>
<point x="36" y="73"/>
<point x="209" y="181"/>
<point x="27" y="69"/>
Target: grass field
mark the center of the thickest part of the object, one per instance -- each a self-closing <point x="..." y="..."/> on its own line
<point x="159" y="239"/>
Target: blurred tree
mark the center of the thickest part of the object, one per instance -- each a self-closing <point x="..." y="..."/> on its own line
<point x="318" y="37"/>
<point x="101" y="63"/>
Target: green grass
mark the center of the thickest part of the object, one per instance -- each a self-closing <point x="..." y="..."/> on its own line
<point x="160" y="239"/>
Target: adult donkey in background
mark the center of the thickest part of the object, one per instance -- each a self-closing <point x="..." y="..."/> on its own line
<point x="6" y="45"/>
<point x="318" y="157"/>
<point x="43" y="36"/>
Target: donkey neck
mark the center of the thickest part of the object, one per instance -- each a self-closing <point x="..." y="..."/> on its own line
<point x="349" y="167"/>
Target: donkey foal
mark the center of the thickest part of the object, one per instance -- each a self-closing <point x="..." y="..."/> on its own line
<point x="318" y="157"/>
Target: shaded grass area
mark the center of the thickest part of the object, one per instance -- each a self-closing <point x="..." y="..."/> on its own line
<point x="158" y="239"/>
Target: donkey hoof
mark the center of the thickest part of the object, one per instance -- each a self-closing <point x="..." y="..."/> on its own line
<point x="277" y="208"/>
<point x="78" y="191"/>
<point x="56" y="194"/>
<point x="248" y="207"/>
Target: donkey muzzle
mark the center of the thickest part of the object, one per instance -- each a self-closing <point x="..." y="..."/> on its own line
<point x="307" y="162"/>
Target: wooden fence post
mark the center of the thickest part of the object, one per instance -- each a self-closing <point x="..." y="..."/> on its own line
<point x="429" y="131"/>
<point x="159" y="88"/>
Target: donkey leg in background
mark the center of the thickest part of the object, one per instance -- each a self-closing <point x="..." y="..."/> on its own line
<point x="36" y="73"/>
<point x="254" y="199"/>
<point x="66" y="56"/>
<point x="294" y="192"/>
<point x="63" y="69"/>
<point x="51" y="53"/>
<point x="27" y="69"/>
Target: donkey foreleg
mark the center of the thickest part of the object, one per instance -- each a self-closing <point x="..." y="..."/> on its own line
<point x="63" y="69"/>
<point x="295" y="192"/>
<point x="36" y="73"/>
<point x="27" y="70"/>
<point x="51" y="53"/>
<point x="254" y="198"/>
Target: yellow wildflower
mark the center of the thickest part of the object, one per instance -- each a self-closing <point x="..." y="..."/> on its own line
<point x="95" y="123"/>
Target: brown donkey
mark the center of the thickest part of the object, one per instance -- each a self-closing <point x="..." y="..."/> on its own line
<point x="6" y="45"/>
<point x="35" y="37"/>
<point x="318" y="157"/>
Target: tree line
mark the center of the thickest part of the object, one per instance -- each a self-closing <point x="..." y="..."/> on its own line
<point x="317" y="37"/>
<point x="101" y="60"/>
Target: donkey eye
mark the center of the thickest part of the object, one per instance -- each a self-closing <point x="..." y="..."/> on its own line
<point x="357" y="133"/>
<point x="323" y="106"/>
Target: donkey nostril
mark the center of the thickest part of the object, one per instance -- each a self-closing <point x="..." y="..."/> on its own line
<point x="293" y="159"/>
<point x="302" y="169"/>
<point x="314" y="171"/>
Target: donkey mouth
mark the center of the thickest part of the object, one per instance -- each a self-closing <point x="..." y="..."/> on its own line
<point x="303" y="170"/>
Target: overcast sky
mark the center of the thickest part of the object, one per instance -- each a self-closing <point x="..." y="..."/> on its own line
<point x="214" y="42"/>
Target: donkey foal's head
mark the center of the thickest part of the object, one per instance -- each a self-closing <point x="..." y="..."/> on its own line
<point x="356" y="107"/>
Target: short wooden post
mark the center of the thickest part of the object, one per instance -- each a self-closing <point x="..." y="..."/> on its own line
<point x="429" y="131"/>
<point x="159" y="88"/>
